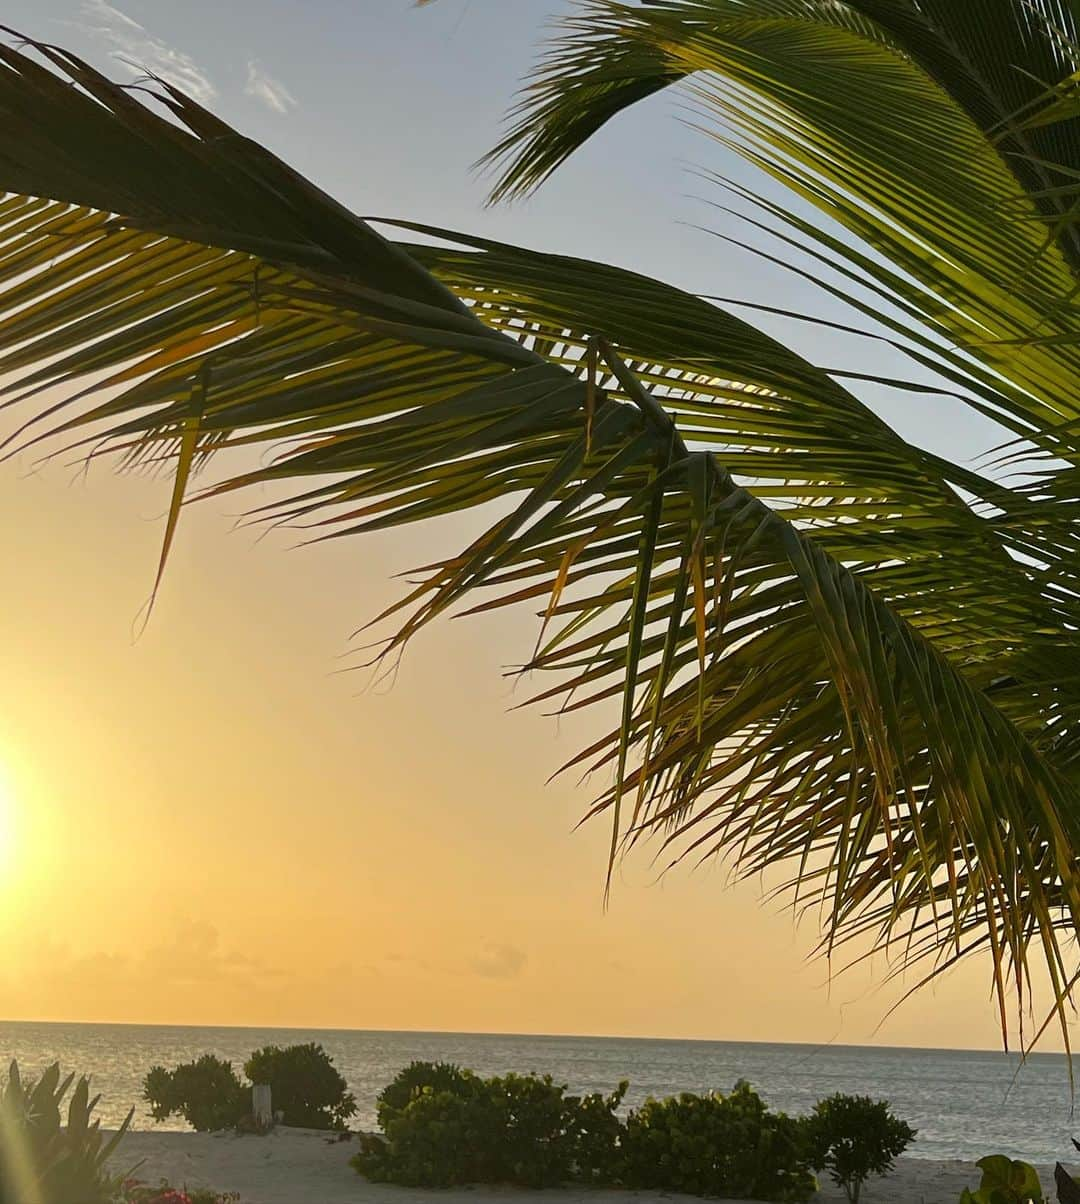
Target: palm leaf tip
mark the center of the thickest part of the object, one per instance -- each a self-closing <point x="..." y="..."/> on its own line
<point x="591" y="73"/>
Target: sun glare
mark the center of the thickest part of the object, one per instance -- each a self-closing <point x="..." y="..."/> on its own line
<point x="7" y="826"/>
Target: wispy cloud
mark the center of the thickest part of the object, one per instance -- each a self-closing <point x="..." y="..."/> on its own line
<point x="499" y="961"/>
<point x="269" y="91"/>
<point x="133" y="44"/>
<point x="489" y="961"/>
<point x="189" y="971"/>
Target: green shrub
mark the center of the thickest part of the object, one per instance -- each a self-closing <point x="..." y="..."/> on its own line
<point x="434" y="1124"/>
<point x="535" y="1130"/>
<point x="716" y="1145"/>
<point x="207" y="1093"/>
<point x="445" y="1127"/>
<point x="210" y="1095"/>
<point x="853" y="1137"/>
<point x="438" y="1140"/>
<point x="45" y="1159"/>
<point x="597" y="1134"/>
<point x="1005" y="1182"/>
<point x="433" y="1077"/>
<point x="304" y="1085"/>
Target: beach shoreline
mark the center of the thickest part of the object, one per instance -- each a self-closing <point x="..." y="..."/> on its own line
<point x="302" y="1166"/>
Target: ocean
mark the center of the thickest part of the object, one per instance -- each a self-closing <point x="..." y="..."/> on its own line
<point x="963" y="1104"/>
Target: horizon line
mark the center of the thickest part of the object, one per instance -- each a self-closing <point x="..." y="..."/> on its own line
<point x="300" y="1028"/>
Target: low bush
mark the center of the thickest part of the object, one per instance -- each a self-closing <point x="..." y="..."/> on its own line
<point x="598" y="1131"/>
<point x="542" y="1137"/>
<point x="207" y="1093"/>
<point x="853" y="1137"/>
<point x="210" y="1096"/>
<point x="418" y="1077"/>
<point x="531" y="1140"/>
<point x="42" y="1158"/>
<point x="445" y="1127"/>
<point x="304" y="1085"/>
<point x="716" y="1145"/>
<point x="437" y="1140"/>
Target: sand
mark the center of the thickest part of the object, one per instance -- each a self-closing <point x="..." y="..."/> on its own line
<point x="299" y="1166"/>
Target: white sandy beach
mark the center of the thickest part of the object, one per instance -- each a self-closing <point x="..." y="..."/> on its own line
<point x="298" y="1166"/>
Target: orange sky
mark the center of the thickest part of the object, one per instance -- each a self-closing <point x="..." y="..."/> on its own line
<point x="208" y="825"/>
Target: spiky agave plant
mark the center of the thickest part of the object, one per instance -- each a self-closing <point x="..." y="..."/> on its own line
<point x="828" y="648"/>
<point x="42" y="1159"/>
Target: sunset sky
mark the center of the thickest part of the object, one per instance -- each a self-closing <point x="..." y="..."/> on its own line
<point x="207" y="822"/>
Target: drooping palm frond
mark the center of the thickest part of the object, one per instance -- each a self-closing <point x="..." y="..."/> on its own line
<point x="822" y="645"/>
<point x="886" y="510"/>
<point x="944" y="141"/>
<point x="903" y="121"/>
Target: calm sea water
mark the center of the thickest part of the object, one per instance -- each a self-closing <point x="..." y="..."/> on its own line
<point x="964" y="1104"/>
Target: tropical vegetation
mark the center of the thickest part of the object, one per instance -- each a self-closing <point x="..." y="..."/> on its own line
<point x="207" y="1093"/>
<point x="305" y="1085"/>
<point x="853" y="1137"/>
<point x="443" y="1126"/>
<point x="422" y="1077"/>
<point x="731" y="1146"/>
<point x="306" y="1089"/>
<point x="826" y="648"/>
<point x="54" y="1152"/>
<point x="1009" y="1181"/>
<point x="1005" y="1181"/>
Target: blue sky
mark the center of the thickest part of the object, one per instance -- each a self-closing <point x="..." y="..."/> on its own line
<point x="388" y="105"/>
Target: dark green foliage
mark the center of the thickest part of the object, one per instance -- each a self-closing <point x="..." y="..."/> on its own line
<point x="438" y="1140"/>
<point x="598" y="1132"/>
<point x="435" y="1124"/>
<point x="1068" y="1189"/>
<point x="445" y="1127"/>
<point x="207" y="1093"/>
<point x="210" y="1095"/>
<point x="543" y="1137"/>
<point x="45" y="1157"/>
<point x="304" y="1085"/>
<point x="1005" y="1182"/>
<point x="716" y="1145"/>
<point x="434" y="1077"/>
<point x="853" y="1137"/>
